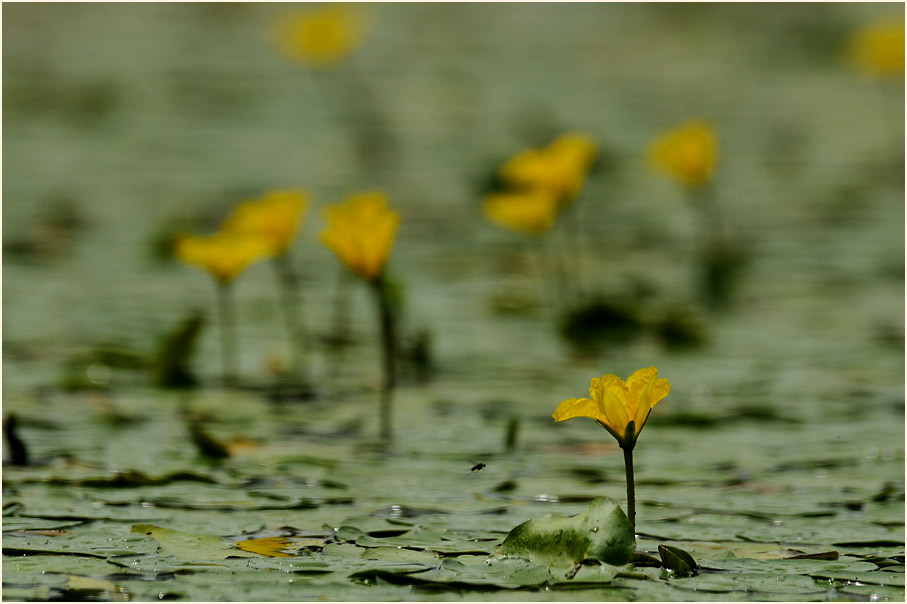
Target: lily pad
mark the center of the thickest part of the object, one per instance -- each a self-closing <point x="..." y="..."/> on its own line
<point x="189" y="546"/>
<point x="601" y="533"/>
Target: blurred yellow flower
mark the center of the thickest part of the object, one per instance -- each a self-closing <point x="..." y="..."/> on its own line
<point x="275" y="217"/>
<point x="688" y="153"/>
<point x="320" y="36"/>
<point x="622" y="408"/>
<point x="559" y="169"/>
<point x="224" y="255"/>
<point x="361" y="233"/>
<point x="531" y="212"/>
<point x="878" y="48"/>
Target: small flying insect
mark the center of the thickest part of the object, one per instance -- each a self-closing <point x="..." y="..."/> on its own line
<point x="476" y="468"/>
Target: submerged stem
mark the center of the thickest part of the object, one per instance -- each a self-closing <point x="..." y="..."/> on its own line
<point x="227" y="317"/>
<point x="388" y="351"/>
<point x="631" y="487"/>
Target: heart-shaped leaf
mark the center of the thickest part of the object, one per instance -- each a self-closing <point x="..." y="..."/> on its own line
<point x="600" y="533"/>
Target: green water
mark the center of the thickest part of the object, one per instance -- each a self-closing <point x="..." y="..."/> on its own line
<point x="783" y="434"/>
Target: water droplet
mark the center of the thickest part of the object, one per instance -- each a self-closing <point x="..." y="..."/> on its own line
<point x="98" y="373"/>
<point x="557" y="536"/>
<point x="594" y="529"/>
<point x="870" y="452"/>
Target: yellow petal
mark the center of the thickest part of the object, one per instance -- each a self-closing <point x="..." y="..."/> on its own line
<point x="276" y="216"/>
<point x="559" y="169"/>
<point x="645" y="390"/>
<point x="688" y="153"/>
<point x="879" y="48"/>
<point x="321" y="36"/>
<point x="578" y="407"/>
<point x="361" y="233"/>
<point x="531" y="212"/>
<point x="611" y="392"/>
<point x="224" y="255"/>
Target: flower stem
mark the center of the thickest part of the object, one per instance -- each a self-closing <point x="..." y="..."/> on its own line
<point x="388" y="350"/>
<point x="631" y="487"/>
<point x="227" y="315"/>
<point x="574" y="242"/>
<point x="291" y="301"/>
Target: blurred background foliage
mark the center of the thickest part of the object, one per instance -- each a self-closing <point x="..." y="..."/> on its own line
<point x="125" y="125"/>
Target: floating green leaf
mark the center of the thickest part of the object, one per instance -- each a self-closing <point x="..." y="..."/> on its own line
<point x="600" y="533"/>
<point x="189" y="546"/>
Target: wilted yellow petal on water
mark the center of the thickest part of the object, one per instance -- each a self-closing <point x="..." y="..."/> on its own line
<point x="276" y="216"/>
<point x="320" y="36"/>
<point x="616" y="403"/>
<point x="531" y="212"/>
<point x="224" y="255"/>
<point x="267" y="546"/>
<point x="361" y="233"/>
<point x="688" y="153"/>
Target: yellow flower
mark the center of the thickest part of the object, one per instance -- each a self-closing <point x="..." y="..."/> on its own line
<point x="559" y="169"/>
<point x="621" y="408"/>
<point x="320" y="36"/>
<point x="275" y="217"/>
<point x="688" y="153"/>
<point x="530" y="211"/>
<point x="224" y="255"/>
<point x="879" y="48"/>
<point x="361" y="233"/>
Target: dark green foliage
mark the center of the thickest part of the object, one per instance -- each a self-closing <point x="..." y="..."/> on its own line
<point x="169" y="367"/>
<point x="680" y="329"/>
<point x="18" y="454"/>
<point x="678" y="561"/>
<point x="599" y="323"/>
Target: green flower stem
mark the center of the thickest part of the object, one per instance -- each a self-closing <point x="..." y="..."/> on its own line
<point x="388" y="350"/>
<point x="710" y="214"/>
<point x="341" y="319"/>
<point x="562" y="281"/>
<point x="227" y="316"/>
<point x="291" y="300"/>
<point x="546" y="284"/>
<point x="553" y="276"/>
<point x="574" y="241"/>
<point x="631" y="487"/>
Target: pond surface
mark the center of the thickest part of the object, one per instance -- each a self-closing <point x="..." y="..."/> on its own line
<point x="783" y="435"/>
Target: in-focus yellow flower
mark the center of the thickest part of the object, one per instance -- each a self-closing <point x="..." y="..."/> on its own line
<point x="320" y="36"/>
<point x="559" y="169"/>
<point x="688" y="153"/>
<point x="531" y="211"/>
<point x="622" y="408"/>
<point x="878" y="48"/>
<point x="361" y="233"/>
<point x="224" y="255"/>
<point x="274" y="217"/>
